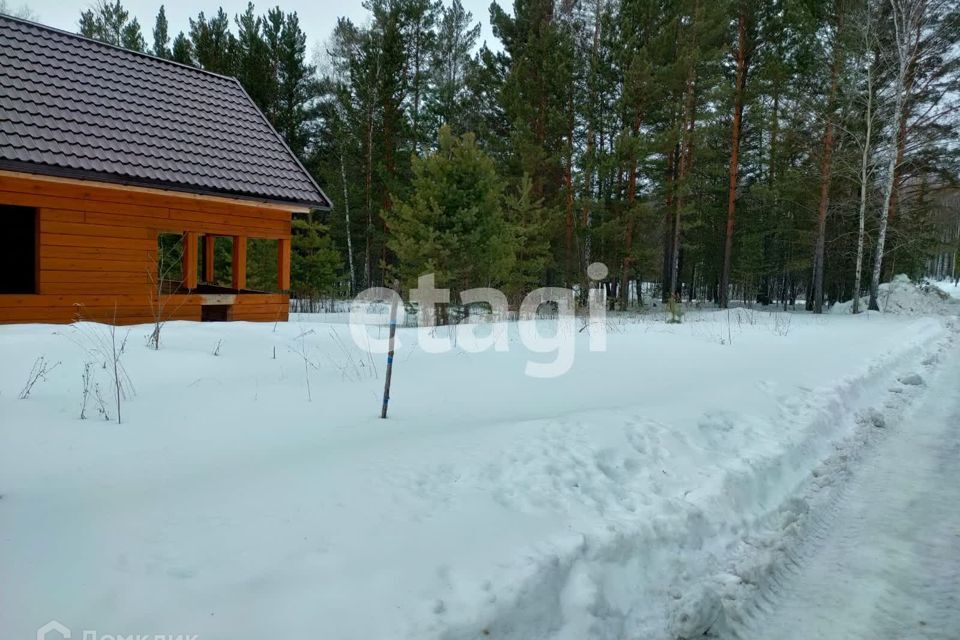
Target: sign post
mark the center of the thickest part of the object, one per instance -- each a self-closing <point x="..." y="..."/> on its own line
<point x="393" y="333"/>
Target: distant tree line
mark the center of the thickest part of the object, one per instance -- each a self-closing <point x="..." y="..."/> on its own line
<point x="758" y="150"/>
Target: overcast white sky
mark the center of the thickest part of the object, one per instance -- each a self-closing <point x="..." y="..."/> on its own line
<point x="317" y="17"/>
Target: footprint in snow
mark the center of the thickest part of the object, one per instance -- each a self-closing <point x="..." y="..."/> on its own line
<point x="911" y="380"/>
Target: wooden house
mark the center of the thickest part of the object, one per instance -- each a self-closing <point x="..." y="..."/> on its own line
<point x="113" y="162"/>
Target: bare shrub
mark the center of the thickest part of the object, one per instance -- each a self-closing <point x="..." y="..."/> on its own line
<point x="351" y="366"/>
<point x="165" y="281"/>
<point x="781" y="324"/>
<point x="301" y="350"/>
<point x="103" y="344"/>
<point x="41" y="367"/>
<point x="87" y="378"/>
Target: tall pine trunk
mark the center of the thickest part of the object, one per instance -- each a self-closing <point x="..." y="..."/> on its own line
<point x="568" y="199"/>
<point x="734" y="156"/>
<point x="589" y="156"/>
<point x="671" y="181"/>
<point x="368" y="196"/>
<point x="632" y="174"/>
<point x="683" y="171"/>
<point x="689" y="123"/>
<point x="825" y="169"/>
<point x="346" y="216"/>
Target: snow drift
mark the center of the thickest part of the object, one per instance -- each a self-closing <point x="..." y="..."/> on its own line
<point x="902" y="296"/>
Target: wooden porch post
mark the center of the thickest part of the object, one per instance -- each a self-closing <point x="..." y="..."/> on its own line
<point x="283" y="264"/>
<point x="208" y="271"/>
<point x="239" y="262"/>
<point x="190" y="260"/>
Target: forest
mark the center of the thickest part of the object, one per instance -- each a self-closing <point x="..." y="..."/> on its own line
<point x="757" y="151"/>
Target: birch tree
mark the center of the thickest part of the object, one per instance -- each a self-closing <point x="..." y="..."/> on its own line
<point x="868" y="69"/>
<point x="907" y="21"/>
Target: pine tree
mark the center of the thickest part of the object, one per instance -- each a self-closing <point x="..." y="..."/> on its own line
<point x="254" y="63"/>
<point x="536" y="102"/>
<point x="449" y="68"/>
<point x="214" y="46"/>
<point x="182" y="50"/>
<point x="742" y="56"/>
<point x="637" y="42"/>
<point x="826" y="151"/>
<point x="111" y="23"/>
<point x="452" y="224"/>
<point x="314" y="263"/>
<point x="132" y="38"/>
<point x="295" y="78"/>
<point x="483" y="111"/>
<point x="698" y="29"/>
<point x="161" y="39"/>
<point x="338" y="150"/>
<point x="528" y="229"/>
<point x="355" y="87"/>
<point x="419" y="19"/>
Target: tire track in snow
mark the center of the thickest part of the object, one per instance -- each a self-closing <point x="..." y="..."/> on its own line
<point x="882" y="558"/>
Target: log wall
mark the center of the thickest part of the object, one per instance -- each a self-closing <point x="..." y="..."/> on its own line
<point x="97" y="250"/>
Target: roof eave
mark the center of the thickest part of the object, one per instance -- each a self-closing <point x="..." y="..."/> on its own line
<point x="115" y="179"/>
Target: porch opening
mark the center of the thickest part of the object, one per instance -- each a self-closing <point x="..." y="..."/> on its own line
<point x="18" y="260"/>
<point x="262" y="265"/>
<point x="216" y="260"/>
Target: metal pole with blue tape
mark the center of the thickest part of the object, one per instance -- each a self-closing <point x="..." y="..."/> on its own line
<point x="393" y="333"/>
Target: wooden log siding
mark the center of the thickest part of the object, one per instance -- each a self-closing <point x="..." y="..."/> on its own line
<point x="97" y="247"/>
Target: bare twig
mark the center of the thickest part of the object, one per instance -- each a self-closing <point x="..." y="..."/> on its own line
<point x="87" y="379"/>
<point x="38" y="372"/>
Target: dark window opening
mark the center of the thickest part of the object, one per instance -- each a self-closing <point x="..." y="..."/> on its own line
<point x="18" y="259"/>
<point x="169" y="262"/>
<point x="215" y="313"/>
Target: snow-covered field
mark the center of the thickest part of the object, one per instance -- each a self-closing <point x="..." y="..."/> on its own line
<point x="255" y="493"/>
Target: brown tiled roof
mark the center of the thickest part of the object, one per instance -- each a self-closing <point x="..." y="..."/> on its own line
<point x="75" y="107"/>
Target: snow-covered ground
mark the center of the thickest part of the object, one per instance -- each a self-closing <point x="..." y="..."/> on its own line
<point x="255" y="493"/>
<point x="901" y="296"/>
<point x="949" y="287"/>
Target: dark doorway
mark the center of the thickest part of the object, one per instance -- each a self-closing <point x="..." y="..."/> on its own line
<point x="18" y="259"/>
<point x="215" y="313"/>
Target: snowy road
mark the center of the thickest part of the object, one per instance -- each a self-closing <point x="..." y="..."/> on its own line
<point x="886" y="563"/>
